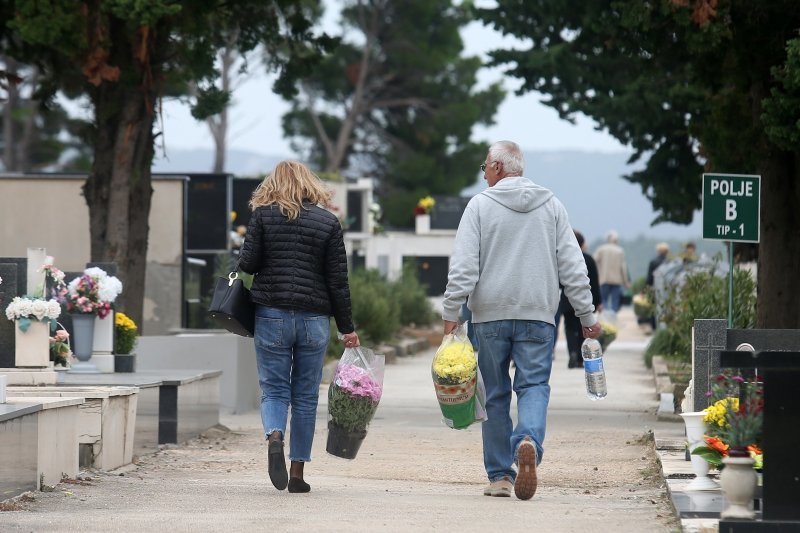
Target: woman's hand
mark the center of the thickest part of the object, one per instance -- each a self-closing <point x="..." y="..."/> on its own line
<point x="350" y="340"/>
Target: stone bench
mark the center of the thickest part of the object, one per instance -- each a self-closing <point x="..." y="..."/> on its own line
<point x="175" y="404"/>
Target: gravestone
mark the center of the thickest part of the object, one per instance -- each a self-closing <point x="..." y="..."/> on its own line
<point x="780" y="372"/>
<point x="709" y="337"/>
<point x="13" y="270"/>
<point x="447" y="211"/>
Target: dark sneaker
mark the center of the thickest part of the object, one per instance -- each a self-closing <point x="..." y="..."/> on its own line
<point x="527" y="481"/>
<point x="276" y="465"/>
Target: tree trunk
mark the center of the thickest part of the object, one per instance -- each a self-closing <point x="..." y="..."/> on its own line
<point x="779" y="251"/>
<point x="25" y="142"/>
<point x="118" y="190"/>
<point x="9" y="127"/>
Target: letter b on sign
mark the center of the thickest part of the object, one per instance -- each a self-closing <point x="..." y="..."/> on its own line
<point x="730" y="209"/>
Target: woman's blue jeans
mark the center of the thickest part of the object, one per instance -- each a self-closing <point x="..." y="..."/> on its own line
<point x="529" y="343"/>
<point x="290" y="351"/>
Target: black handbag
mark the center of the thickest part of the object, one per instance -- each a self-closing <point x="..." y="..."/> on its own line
<point x="231" y="306"/>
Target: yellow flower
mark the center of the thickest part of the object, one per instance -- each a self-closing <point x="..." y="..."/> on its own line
<point x="715" y="413"/>
<point x="426" y="203"/>
<point x="123" y="321"/>
<point x="455" y="363"/>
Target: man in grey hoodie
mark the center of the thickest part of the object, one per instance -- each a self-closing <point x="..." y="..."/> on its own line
<point x="513" y="246"/>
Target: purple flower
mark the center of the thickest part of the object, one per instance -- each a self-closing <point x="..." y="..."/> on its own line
<point x="357" y="382"/>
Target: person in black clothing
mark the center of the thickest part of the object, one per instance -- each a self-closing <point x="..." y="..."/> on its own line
<point x="295" y="250"/>
<point x="662" y="250"/>
<point x="573" y="330"/>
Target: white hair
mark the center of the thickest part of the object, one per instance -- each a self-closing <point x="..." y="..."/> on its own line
<point x="612" y="236"/>
<point x="510" y="155"/>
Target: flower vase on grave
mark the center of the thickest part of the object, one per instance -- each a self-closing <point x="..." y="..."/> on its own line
<point x="82" y="343"/>
<point x="738" y="481"/>
<point x="695" y="430"/>
<point x="103" y="343"/>
<point x="32" y="346"/>
<point x="422" y="224"/>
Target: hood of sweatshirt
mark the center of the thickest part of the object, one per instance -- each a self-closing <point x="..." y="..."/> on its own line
<point x="518" y="194"/>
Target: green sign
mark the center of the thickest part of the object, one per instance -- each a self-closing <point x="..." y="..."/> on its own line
<point x="731" y="206"/>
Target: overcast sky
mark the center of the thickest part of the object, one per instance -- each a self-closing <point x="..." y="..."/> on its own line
<point x="256" y="112"/>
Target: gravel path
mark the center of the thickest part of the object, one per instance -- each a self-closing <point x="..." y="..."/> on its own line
<point x="412" y="473"/>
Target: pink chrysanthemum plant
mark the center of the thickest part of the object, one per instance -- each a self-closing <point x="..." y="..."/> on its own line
<point x="353" y="398"/>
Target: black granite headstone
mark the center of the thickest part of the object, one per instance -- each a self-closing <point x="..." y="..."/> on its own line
<point x="447" y="211"/>
<point x="14" y="271"/>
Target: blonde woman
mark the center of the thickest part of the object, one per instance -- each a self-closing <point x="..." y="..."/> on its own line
<point x="295" y="250"/>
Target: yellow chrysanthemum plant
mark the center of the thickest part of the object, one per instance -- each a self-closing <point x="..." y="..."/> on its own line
<point x="125" y="331"/>
<point x="455" y="378"/>
<point x="425" y="206"/>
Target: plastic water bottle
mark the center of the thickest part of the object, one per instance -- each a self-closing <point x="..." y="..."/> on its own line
<point x="593" y="367"/>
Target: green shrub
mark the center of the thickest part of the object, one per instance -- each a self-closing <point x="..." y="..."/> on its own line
<point x="376" y="313"/>
<point x="702" y="296"/>
<point x="410" y="294"/>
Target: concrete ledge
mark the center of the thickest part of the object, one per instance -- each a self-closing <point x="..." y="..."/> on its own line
<point x="18" y="376"/>
<point x="19" y="438"/>
<point x="389" y="353"/>
<point x="57" y="443"/>
<point x="660" y="366"/>
<point x="105" y="421"/>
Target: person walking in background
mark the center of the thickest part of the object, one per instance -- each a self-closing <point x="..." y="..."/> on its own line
<point x="662" y="251"/>
<point x="296" y="253"/>
<point x="689" y="253"/>
<point x="513" y="246"/>
<point x="612" y="271"/>
<point x="573" y="330"/>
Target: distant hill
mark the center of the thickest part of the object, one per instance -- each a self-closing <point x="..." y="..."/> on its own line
<point x="238" y="162"/>
<point x="590" y="185"/>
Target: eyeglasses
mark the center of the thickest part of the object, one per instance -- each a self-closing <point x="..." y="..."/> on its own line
<point x="483" y="167"/>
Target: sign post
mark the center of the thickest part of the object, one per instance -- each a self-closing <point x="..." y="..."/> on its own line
<point x="731" y="212"/>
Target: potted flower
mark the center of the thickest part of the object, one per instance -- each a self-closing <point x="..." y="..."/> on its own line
<point x="34" y="318"/>
<point x="85" y="297"/>
<point x="353" y="398"/>
<point x="733" y="441"/>
<point x="125" y="330"/>
<point x="422" y="214"/>
<point x="455" y="378"/>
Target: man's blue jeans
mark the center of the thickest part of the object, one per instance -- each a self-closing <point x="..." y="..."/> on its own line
<point x="529" y="343"/>
<point x="611" y="295"/>
<point x="290" y="351"/>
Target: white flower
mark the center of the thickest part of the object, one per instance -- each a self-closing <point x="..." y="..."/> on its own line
<point x="36" y="309"/>
<point x="53" y="309"/>
<point x="97" y="273"/>
<point x="109" y="288"/>
<point x="39" y="308"/>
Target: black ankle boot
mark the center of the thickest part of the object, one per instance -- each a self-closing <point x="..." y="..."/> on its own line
<point x="298" y="485"/>
<point x="276" y="465"/>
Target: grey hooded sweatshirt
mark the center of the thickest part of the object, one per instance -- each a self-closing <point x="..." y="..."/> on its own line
<point x="513" y="246"/>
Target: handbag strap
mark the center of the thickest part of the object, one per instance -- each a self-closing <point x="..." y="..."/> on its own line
<point x="233" y="275"/>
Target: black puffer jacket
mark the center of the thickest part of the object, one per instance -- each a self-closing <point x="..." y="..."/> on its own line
<point x="298" y="264"/>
